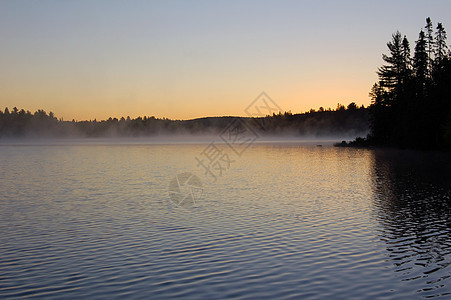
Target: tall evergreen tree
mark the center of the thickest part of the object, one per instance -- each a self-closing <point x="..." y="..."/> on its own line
<point x="380" y="117"/>
<point x="429" y="43"/>
<point x="411" y="105"/>
<point x="441" y="48"/>
<point x="420" y="64"/>
<point x="407" y="61"/>
<point x="391" y="75"/>
<point x="441" y="91"/>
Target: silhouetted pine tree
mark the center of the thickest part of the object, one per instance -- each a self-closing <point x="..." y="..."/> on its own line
<point x="391" y="75"/>
<point x="411" y="104"/>
<point x="441" y="92"/>
<point x="440" y="47"/>
<point x="380" y="116"/>
<point x="420" y="65"/>
<point x="429" y="44"/>
<point x="394" y="79"/>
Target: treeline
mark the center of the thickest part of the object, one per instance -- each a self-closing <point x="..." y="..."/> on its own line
<point x="343" y="121"/>
<point x="411" y="102"/>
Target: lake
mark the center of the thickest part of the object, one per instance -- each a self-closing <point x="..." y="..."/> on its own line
<point x="279" y="220"/>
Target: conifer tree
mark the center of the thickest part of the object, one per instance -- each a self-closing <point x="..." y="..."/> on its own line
<point x="429" y="43"/>
<point x="441" y="48"/>
<point x="420" y="64"/>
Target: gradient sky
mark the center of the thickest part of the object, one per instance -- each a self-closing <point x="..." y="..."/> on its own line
<point x="188" y="59"/>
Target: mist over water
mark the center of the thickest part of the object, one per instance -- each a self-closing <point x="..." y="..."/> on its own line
<point x="285" y="220"/>
<point x="174" y="139"/>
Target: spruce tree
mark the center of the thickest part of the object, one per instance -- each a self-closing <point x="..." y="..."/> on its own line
<point x="429" y="43"/>
<point x="420" y="64"/>
<point x="441" y="48"/>
<point x="391" y="75"/>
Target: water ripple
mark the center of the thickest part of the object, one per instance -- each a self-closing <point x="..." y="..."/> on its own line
<point x="287" y="222"/>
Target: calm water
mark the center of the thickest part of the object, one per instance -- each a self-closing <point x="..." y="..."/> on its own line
<point x="283" y="220"/>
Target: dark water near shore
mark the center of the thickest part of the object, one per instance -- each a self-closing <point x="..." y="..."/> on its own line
<point x="284" y="220"/>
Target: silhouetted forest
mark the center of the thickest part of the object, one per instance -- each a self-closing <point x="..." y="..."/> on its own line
<point x="342" y="121"/>
<point x="411" y="103"/>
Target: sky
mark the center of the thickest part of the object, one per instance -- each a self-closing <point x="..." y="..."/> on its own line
<point x="187" y="59"/>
